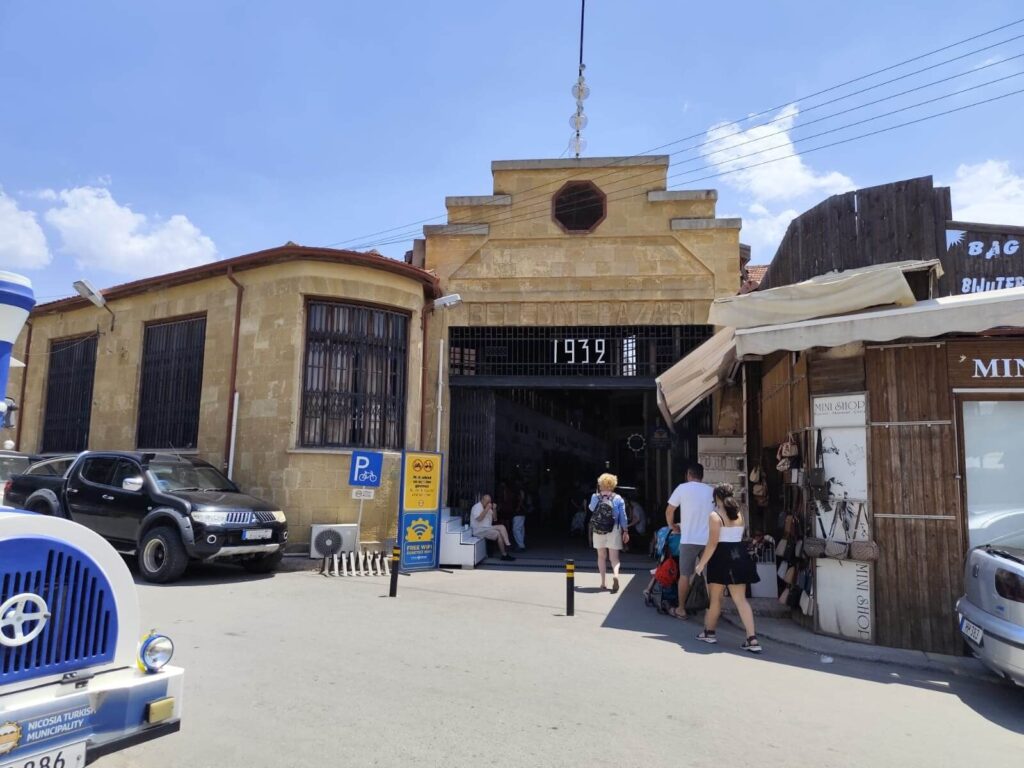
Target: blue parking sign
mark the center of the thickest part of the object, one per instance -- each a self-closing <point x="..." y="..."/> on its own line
<point x="366" y="470"/>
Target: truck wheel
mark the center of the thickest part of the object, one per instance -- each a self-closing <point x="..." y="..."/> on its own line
<point x="263" y="563"/>
<point x="40" y="508"/>
<point x="162" y="556"/>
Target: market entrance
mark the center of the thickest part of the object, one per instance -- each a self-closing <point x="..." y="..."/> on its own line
<point x="539" y="451"/>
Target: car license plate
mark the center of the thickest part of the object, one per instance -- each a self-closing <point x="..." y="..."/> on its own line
<point x="972" y="631"/>
<point x="70" y="756"/>
<point x="256" y="534"/>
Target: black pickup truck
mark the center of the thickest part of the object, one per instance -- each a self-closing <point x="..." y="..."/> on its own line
<point x="163" y="508"/>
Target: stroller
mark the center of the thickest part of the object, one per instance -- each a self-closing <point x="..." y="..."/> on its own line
<point x="662" y="591"/>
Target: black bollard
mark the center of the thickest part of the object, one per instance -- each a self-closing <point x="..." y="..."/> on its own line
<point x="570" y="587"/>
<point x="396" y="555"/>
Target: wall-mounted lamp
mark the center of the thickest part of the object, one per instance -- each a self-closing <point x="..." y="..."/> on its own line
<point x="87" y="291"/>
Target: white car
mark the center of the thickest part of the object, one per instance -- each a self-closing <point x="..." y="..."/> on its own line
<point x="76" y="683"/>
<point x="991" y="612"/>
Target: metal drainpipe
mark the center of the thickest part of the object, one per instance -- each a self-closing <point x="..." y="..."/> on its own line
<point x="427" y="308"/>
<point x="24" y="380"/>
<point x="233" y="376"/>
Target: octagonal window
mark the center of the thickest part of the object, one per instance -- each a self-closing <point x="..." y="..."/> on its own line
<point x="579" y="206"/>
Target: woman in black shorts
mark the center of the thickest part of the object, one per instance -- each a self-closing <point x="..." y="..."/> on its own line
<point x="728" y="565"/>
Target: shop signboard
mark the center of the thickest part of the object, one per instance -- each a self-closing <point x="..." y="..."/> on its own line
<point x="843" y="588"/>
<point x="840" y="410"/>
<point x="986" y="364"/>
<point x="420" y="512"/>
<point x="983" y="257"/>
<point x="843" y="599"/>
<point x="840" y="421"/>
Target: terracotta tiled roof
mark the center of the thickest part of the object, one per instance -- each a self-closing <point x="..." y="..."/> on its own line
<point x="288" y="252"/>
<point x="756" y="272"/>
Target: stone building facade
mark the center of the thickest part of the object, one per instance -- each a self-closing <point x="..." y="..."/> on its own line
<point x="269" y="295"/>
<point x="571" y="249"/>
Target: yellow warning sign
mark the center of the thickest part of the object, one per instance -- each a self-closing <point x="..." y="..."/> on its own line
<point x="421" y="479"/>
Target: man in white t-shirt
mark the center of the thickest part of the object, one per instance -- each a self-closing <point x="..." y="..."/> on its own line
<point x="481" y="522"/>
<point x="694" y="500"/>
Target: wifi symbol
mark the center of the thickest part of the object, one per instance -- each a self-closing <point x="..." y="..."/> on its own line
<point x="419" y="530"/>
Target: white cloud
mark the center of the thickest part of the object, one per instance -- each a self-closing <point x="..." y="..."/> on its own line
<point x="764" y="230"/>
<point x="100" y="233"/>
<point x="988" y="192"/>
<point x="47" y="195"/>
<point x="22" y="241"/>
<point x="785" y="178"/>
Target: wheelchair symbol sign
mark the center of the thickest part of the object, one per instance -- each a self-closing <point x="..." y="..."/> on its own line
<point x="366" y="469"/>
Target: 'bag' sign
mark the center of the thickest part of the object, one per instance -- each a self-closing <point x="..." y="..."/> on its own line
<point x="981" y="257"/>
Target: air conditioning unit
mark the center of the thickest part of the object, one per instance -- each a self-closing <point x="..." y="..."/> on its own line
<point x="330" y="540"/>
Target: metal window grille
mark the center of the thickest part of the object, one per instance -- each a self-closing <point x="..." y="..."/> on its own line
<point x="69" y="394"/>
<point x="353" y="391"/>
<point x="171" y="387"/>
<point x="638" y="351"/>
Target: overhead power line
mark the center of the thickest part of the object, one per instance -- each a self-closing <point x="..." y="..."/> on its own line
<point x="527" y="213"/>
<point x="618" y="195"/>
<point x="543" y="202"/>
<point x="404" y="227"/>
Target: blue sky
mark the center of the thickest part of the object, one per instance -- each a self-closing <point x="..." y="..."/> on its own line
<point x="141" y="137"/>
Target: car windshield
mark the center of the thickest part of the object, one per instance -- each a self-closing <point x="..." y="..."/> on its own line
<point x="185" y="477"/>
<point x="12" y="465"/>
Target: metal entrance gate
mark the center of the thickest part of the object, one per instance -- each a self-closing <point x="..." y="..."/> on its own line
<point x="471" y="452"/>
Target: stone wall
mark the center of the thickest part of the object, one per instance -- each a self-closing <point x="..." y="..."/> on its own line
<point x="310" y="485"/>
<point x="658" y="258"/>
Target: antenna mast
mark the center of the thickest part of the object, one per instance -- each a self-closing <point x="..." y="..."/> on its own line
<point x="580" y="91"/>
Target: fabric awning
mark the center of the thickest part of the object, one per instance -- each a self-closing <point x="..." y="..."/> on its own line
<point x="971" y="313"/>
<point x="835" y="293"/>
<point x="696" y="376"/>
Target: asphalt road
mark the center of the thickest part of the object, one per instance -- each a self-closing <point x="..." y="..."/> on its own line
<point x="481" y="668"/>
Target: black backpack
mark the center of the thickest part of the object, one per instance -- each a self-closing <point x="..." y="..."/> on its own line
<point x="603" y="519"/>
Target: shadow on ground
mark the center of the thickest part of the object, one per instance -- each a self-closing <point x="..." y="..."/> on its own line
<point x="993" y="699"/>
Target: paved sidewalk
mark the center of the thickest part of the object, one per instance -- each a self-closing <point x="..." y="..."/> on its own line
<point x="784" y="630"/>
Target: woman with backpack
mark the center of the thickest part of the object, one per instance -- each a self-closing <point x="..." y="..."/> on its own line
<point x="729" y="566"/>
<point x="609" y="526"/>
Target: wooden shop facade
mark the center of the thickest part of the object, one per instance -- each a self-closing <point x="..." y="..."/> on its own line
<point x="904" y="396"/>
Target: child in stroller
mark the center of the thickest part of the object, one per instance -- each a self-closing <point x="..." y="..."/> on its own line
<point x="662" y="590"/>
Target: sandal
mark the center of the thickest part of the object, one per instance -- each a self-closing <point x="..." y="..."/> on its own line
<point x="675" y="614"/>
<point x="751" y="645"/>
<point x="648" y="598"/>
<point x="708" y="636"/>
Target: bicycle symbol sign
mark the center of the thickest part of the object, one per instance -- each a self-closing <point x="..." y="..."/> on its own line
<point x="366" y="469"/>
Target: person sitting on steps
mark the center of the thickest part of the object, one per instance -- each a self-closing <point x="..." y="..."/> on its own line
<point x="481" y="522"/>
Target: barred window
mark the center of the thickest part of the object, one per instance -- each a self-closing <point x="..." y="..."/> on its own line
<point x="69" y="394"/>
<point x="171" y="386"/>
<point x="353" y="387"/>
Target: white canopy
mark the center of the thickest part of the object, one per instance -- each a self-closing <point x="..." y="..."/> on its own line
<point x="696" y="376"/>
<point x="835" y="293"/>
<point x="971" y="313"/>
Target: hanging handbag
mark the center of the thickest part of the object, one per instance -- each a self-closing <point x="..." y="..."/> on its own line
<point x="790" y="448"/>
<point x="816" y="474"/>
<point x="793" y="598"/>
<point x="838" y="550"/>
<point x="806" y="604"/>
<point x="814" y="546"/>
<point x="780" y="548"/>
<point x="862" y="550"/>
<point x="783" y="465"/>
